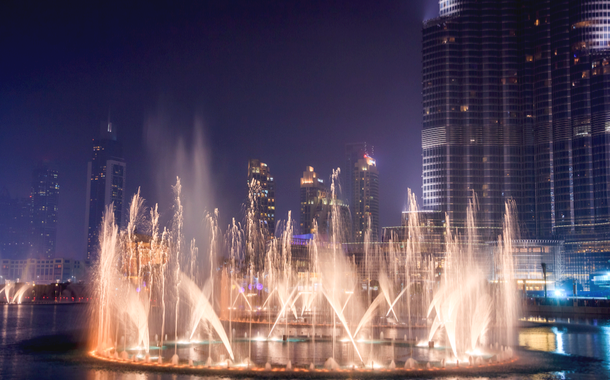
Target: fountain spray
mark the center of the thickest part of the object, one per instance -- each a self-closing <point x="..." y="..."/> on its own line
<point x="178" y="222"/>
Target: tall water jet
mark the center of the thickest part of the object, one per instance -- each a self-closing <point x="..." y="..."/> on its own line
<point x="336" y="228"/>
<point x="463" y="305"/>
<point x="178" y="223"/>
<point x="109" y="239"/>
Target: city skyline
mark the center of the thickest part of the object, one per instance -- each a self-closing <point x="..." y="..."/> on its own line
<point x="293" y="81"/>
<point x="305" y="189"/>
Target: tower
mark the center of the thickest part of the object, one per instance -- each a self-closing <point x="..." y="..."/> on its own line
<point x="313" y="194"/>
<point x="353" y="152"/>
<point x="43" y="216"/>
<point x="515" y="106"/>
<point x="365" y="198"/>
<point x="15" y="226"/>
<point x="265" y="197"/>
<point x="105" y="184"/>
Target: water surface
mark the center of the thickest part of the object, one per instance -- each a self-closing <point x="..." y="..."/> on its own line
<point x="47" y="342"/>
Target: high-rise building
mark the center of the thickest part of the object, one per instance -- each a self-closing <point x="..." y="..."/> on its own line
<point x="265" y="193"/>
<point x="15" y="226"/>
<point x="44" y="201"/>
<point x="364" y="205"/>
<point x="313" y="195"/>
<point x="353" y="152"/>
<point x="516" y="105"/>
<point x="317" y="203"/>
<point x="105" y="184"/>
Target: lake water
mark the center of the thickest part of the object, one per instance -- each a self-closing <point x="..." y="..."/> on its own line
<point x="47" y="342"/>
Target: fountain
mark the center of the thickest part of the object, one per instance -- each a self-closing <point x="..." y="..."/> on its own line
<point x="248" y="301"/>
<point x="8" y="286"/>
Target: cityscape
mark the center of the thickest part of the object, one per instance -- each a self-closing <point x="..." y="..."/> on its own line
<point x="306" y="189"/>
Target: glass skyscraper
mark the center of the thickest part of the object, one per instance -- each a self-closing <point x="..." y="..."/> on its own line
<point x="44" y="201"/>
<point x="365" y="199"/>
<point x="265" y="193"/>
<point x="313" y="196"/>
<point x="516" y="104"/>
<point x="106" y="185"/>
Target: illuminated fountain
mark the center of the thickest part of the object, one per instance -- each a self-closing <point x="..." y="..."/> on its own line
<point x="18" y="289"/>
<point x="7" y="289"/>
<point x="247" y="301"/>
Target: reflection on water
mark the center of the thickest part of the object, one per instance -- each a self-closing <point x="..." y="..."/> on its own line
<point x="559" y="340"/>
<point x="584" y="337"/>
<point x="26" y="353"/>
<point x="540" y="339"/>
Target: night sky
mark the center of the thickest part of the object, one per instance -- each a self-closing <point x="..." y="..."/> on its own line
<point x="288" y="83"/>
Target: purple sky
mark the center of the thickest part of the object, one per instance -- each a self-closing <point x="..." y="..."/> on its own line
<point x="289" y="83"/>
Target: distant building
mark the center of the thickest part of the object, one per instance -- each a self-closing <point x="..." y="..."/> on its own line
<point x="265" y="197"/>
<point x="528" y="258"/>
<point x="15" y="226"/>
<point x="44" y="198"/>
<point x="105" y="184"/>
<point x="41" y="271"/>
<point x="313" y="194"/>
<point x="344" y="221"/>
<point x="353" y="152"/>
<point x="430" y="225"/>
<point x="365" y="198"/>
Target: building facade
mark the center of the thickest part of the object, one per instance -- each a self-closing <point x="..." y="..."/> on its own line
<point x="364" y="205"/>
<point x="262" y="186"/>
<point x="44" y="205"/>
<point x="105" y="185"/>
<point x="353" y="152"/>
<point x="312" y="195"/>
<point x="15" y="226"/>
<point x="42" y="271"/>
<point x="515" y="106"/>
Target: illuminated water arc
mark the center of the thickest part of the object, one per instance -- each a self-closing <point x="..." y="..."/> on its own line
<point x="385" y="289"/>
<point x="367" y="316"/>
<point x="346" y="301"/>
<point x="203" y="311"/>
<point x="281" y="312"/>
<point x="397" y="298"/>
<point x="242" y="294"/>
<point x="268" y="298"/>
<point x="344" y="322"/>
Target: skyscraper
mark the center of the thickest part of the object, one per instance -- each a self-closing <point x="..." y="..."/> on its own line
<point x="353" y="152"/>
<point x="516" y="106"/>
<point x="265" y="197"/>
<point x="15" y="226"/>
<point x="313" y="194"/>
<point x="44" y="201"/>
<point x="364" y="205"/>
<point x="106" y="184"/>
